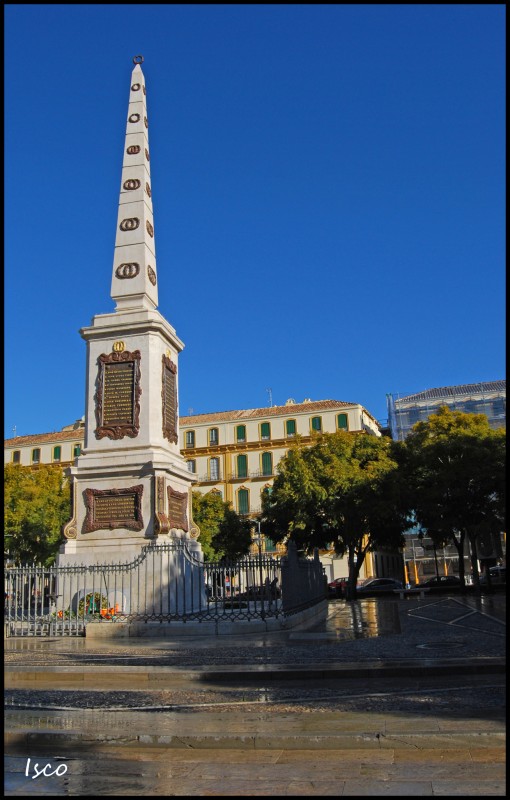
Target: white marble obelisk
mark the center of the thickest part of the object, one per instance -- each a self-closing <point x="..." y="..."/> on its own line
<point x="130" y="484"/>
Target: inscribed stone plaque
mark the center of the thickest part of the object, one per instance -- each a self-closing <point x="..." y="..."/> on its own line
<point x="118" y="395"/>
<point x="177" y="509"/>
<point x="169" y="397"/>
<point x="114" y="508"/>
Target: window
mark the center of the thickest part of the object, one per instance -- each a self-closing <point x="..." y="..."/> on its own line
<point x="316" y="424"/>
<point x="242" y="467"/>
<point x="214" y="469"/>
<point x="290" y="427"/>
<point x="16" y="457"/>
<point x="192" y="465"/>
<point x="76" y="450"/>
<point x="267" y="464"/>
<point x="342" y="422"/>
<point x="241" y="433"/>
<point x="57" y="451"/>
<point x="36" y="456"/>
<point x="243" y="501"/>
<point x="213" y="436"/>
<point x="190" y="438"/>
<point x="265" y="430"/>
<point x="269" y="545"/>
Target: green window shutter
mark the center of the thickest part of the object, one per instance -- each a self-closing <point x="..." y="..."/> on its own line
<point x="243" y="502"/>
<point x="290" y="426"/>
<point x="342" y="422"/>
<point x="56" y="453"/>
<point x="265" y="430"/>
<point x="241" y="433"/>
<point x="242" y="467"/>
<point x="270" y="546"/>
<point x="316" y="423"/>
<point x="76" y="450"/>
<point x="36" y="455"/>
<point x="267" y="464"/>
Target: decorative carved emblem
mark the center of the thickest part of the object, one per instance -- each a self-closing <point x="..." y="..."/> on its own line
<point x="147" y="154"/>
<point x="150" y="229"/>
<point x="151" y="274"/>
<point x="118" y="347"/>
<point x="118" y="394"/>
<point x="177" y="509"/>
<point x="145" y="122"/>
<point x="147" y="189"/>
<point x="133" y="149"/>
<point x="130" y="270"/>
<point x="135" y="87"/>
<point x="132" y="183"/>
<point x="134" y="117"/>
<point x="70" y="529"/>
<point x="114" y="508"/>
<point x="129" y="224"/>
<point x="161" y="523"/>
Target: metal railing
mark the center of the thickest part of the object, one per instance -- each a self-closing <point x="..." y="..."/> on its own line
<point x="165" y="583"/>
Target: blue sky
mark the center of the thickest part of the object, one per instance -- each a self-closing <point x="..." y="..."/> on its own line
<point x="328" y="188"/>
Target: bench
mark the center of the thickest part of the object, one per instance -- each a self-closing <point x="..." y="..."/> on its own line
<point x="418" y="590"/>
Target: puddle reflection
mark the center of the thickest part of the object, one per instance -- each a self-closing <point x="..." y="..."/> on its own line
<point x="361" y="619"/>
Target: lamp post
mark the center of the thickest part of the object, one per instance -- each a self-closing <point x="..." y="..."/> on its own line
<point x="258" y="539"/>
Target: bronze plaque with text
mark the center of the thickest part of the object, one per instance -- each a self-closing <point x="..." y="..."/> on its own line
<point x="177" y="509"/>
<point x="169" y="395"/>
<point x="114" y="508"/>
<point x="118" y="395"/>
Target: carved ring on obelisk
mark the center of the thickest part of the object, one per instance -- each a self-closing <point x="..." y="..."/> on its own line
<point x="138" y="60"/>
<point x="130" y="270"/>
<point x="135" y="87"/>
<point x="134" y="117"/>
<point x="129" y="224"/>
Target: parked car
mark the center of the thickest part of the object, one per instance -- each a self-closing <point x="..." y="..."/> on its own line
<point x="442" y="582"/>
<point x="376" y="586"/>
<point x="336" y="588"/>
<point x="497" y="575"/>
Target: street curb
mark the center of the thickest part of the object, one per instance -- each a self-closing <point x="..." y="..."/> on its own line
<point x="65" y="740"/>
<point x="152" y="677"/>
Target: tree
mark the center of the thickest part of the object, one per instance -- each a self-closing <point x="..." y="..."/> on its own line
<point x="455" y="472"/>
<point x="342" y="492"/>
<point x="233" y="539"/>
<point x="223" y="533"/>
<point x="37" y="503"/>
<point x="208" y="511"/>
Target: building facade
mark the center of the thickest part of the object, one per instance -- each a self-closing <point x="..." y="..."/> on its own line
<point x="231" y="453"/>
<point x="404" y="411"/>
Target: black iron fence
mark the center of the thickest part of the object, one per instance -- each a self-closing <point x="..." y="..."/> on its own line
<point x="165" y="583"/>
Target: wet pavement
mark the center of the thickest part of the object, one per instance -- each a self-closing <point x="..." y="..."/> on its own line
<point x="304" y="712"/>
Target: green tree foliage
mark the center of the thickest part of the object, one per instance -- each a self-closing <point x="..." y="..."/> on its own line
<point x="208" y="511"/>
<point x="223" y="533"/>
<point x="233" y="538"/>
<point x="342" y="492"/>
<point x="455" y="474"/>
<point x="36" y="505"/>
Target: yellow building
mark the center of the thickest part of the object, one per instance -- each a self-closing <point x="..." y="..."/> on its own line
<point x="233" y="453"/>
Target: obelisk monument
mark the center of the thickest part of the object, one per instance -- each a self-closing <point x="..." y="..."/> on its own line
<point x="130" y="485"/>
